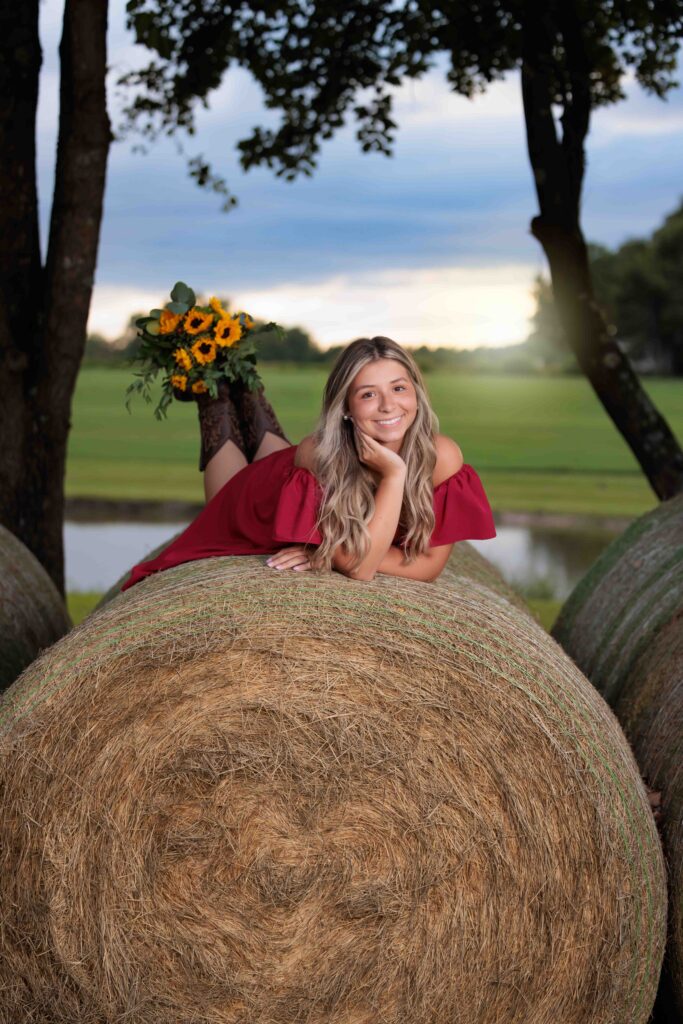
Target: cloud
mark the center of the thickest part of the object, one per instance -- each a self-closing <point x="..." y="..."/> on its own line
<point x="452" y="306"/>
<point x="113" y="305"/>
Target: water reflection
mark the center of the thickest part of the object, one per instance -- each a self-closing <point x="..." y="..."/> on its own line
<point x="543" y="561"/>
<point x="540" y="561"/>
<point x="96" y="554"/>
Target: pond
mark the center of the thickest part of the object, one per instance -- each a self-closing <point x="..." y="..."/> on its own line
<point x="542" y="561"/>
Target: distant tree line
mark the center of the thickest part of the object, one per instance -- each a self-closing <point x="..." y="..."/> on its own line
<point x="297" y="346"/>
<point x="639" y="286"/>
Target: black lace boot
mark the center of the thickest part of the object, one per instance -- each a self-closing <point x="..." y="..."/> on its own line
<point x="256" y="416"/>
<point x="218" y="423"/>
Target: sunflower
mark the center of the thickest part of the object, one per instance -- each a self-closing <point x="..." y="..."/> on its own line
<point x="199" y="388"/>
<point x="227" y="332"/>
<point x="247" y="323"/>
<point x="183" y="358"/>
<point x="204" y="350"/>
<point x="179" y="381"/>
<point x="217" y="308"/>
<point x="168" y="322"/>
<point x="196" y="321"/>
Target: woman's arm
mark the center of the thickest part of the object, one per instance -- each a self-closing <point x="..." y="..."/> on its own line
<point x="382" y="528"/>
<point x="388" y="502"/>
<point x="425" y="567"/>
<point x="428" y="566"/>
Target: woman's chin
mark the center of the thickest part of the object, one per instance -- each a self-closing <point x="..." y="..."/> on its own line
<point x="394" y="436"/>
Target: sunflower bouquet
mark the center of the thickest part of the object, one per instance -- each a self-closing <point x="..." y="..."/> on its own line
<point x="194" y="347"/>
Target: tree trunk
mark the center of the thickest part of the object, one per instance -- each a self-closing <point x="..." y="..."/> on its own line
<point x="45" y="310"/>
<point x="558" y="166"/>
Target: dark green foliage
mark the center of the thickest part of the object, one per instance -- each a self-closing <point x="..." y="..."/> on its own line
<point x="295" y="345"/>
<point x="313" y="59"/>
<point x="640" y="287"/>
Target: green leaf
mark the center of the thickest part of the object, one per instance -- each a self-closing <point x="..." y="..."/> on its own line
<point x="177" y="307"/>
<point x="155" y="313"/>
<point x="182" y="293"/>
<point x="152" y="328"/>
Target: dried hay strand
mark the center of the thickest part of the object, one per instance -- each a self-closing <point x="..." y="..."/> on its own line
<point x="465" y="561"/>
<point x="32" y="612"/>
<point x="630" y="592"/>
<point x="235" y="795"/>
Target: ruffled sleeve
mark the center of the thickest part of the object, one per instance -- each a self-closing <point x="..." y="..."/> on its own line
<point x="461" y="509"/>
<point x="297" y="509"/>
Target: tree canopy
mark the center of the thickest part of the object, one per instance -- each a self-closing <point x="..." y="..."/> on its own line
<point x="313" y="58"/>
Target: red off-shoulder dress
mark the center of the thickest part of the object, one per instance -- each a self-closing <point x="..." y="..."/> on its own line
<point x="271" y="503"/>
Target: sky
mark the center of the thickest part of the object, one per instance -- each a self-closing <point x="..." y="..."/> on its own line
<point x="430" y="246"/>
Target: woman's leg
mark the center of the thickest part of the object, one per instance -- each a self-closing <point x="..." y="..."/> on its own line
<point x="227" y="461"/>
<point x="270" y="443"/>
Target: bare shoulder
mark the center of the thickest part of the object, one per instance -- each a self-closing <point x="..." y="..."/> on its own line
<point x="304" y="453"/>
<point x="449" y="459"/>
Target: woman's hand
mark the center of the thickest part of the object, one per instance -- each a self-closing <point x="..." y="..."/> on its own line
<point x="377" y="456"/>
<point x="290" y="558"/>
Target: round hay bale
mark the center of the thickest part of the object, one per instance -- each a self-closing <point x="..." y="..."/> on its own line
<point x="465" y="561"/>
<point x="32" y="612"/>
<point x="650" y="709"/>
<point x="279" y="797"/>
<point x="623" y="626"/>
<point x="616" y="610"/>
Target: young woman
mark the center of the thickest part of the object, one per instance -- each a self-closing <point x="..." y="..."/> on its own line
<point x="373" y="489"/>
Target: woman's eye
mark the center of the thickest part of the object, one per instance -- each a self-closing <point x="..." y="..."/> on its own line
<point x="369" y="394"/>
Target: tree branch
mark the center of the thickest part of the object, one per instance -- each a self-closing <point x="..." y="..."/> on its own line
<point x="547" y="155"/>
<point x="577" y="111"/>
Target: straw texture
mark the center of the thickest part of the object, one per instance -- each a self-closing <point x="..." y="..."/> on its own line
<point x="465" y="561"/>
<point x="650" y="708"/>
<point x="32" y="612"/>
<point x="631" y="591"/>
<point x="623" y="625"/>
<point x="235" y="795"/>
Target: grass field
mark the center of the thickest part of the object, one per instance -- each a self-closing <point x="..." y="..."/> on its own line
<point x="538" y="444"/>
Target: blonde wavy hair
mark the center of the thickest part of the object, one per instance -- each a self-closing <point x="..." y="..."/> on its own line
<point x="348" y="501"/>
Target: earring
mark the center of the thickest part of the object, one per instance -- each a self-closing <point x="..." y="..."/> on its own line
<point x="345" y="416"/>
